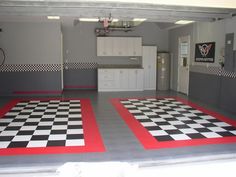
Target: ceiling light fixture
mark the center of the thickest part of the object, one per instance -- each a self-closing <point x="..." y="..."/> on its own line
<point x="53" y="17"/>
<point x="115" y="20"/>
<point x="183" y="22"/>
<point x="88" y="19"/>
<point x="139" y="19"/>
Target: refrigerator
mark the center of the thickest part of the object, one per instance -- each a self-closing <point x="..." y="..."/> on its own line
<point x="163" y="71"/>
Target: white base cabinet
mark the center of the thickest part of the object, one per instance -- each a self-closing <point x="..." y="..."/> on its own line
<point x="120" y="80"/>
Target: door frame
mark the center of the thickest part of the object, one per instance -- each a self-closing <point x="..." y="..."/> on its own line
<point x="180" y="39"/>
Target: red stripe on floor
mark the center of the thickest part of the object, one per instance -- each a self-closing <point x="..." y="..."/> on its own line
<point x="37" y="92"/>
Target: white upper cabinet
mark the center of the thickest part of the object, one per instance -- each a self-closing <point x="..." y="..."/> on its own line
<point x="119" y="46"/>
<point x="100" y="50"/>
<point x="137" y="49"/>
<point x="104" y="46"/>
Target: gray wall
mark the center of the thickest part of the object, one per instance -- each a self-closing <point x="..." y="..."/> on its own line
<point x="79" y="43"/>
<point x="205" y="87"/>
<point x="30" y="43"/>
<point x="230" y="27"/>
<point x="208" y="82"/>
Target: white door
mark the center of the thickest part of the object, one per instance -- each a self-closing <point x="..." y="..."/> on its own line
<point x="183" y="64"/>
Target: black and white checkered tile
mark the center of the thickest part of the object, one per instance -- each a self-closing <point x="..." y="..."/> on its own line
<point x="42" y="124"/>
<point x="30" y="67"/>
<point x="168" y="120"/>
<point x="81" y="65"/>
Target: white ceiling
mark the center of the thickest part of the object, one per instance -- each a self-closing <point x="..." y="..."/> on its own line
<point x="154" y="10"/>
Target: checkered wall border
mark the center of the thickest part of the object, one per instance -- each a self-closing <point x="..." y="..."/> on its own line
<point x="81" y="65"/>
<point x="29" y="67"/>
<point x="213" y="70"/>
<point x="227" y="74"/>
<point x="46" y="67"/>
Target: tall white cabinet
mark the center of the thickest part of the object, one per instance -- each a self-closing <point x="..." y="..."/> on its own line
<point x="149" y="58"/>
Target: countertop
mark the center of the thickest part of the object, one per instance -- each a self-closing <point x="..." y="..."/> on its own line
<point x="120" y="67"/>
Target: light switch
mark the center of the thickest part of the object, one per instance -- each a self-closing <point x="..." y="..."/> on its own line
<point x="229" y="42"/>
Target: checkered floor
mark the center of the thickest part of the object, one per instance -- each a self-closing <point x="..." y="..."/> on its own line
<point x="42" y="124"/>
<point x="167" y="119"/>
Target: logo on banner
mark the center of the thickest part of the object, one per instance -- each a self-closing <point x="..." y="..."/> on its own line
<point x="205" y="52"/>
<point x="204" y="49"/>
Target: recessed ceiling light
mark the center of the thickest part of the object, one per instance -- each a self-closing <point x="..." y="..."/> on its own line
<point x="115" y="20"/>
<point x="183" y="22"/>
<point x="53" y="17"/>
<point x="89" y="19"/>
<point x="139" y="19"/>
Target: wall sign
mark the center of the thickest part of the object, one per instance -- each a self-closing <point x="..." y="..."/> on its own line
<point x="205" y="52"/>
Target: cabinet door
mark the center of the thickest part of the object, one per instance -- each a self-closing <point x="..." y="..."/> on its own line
<point x="133" y="79"/>
<point x="137" y="46"/>
<point x="104" y="46"/>
<point x="146" y="66"/>
<point x="124" y="46"/>
<point x="119" y="46"/>
<point x="100" y="46"/>
<point x="106" y="74"/>
<point x="108" y="46"/>
<point x="108" y="79"/>
<point x="153" y="66"/>
<point x="124" y="80"/>
<point x="140" y="79"/>
<point x="149" y="65"/>
<point x="130" y="47"/>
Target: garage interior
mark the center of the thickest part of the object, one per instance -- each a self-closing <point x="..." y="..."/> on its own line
<point x="99" y="61"/>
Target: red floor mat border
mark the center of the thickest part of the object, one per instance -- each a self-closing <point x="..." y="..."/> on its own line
<point x="149" y="142"/>
<point x="92" y="136"/>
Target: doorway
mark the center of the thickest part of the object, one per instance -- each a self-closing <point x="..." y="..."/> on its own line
<point x="183" y="64"/>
